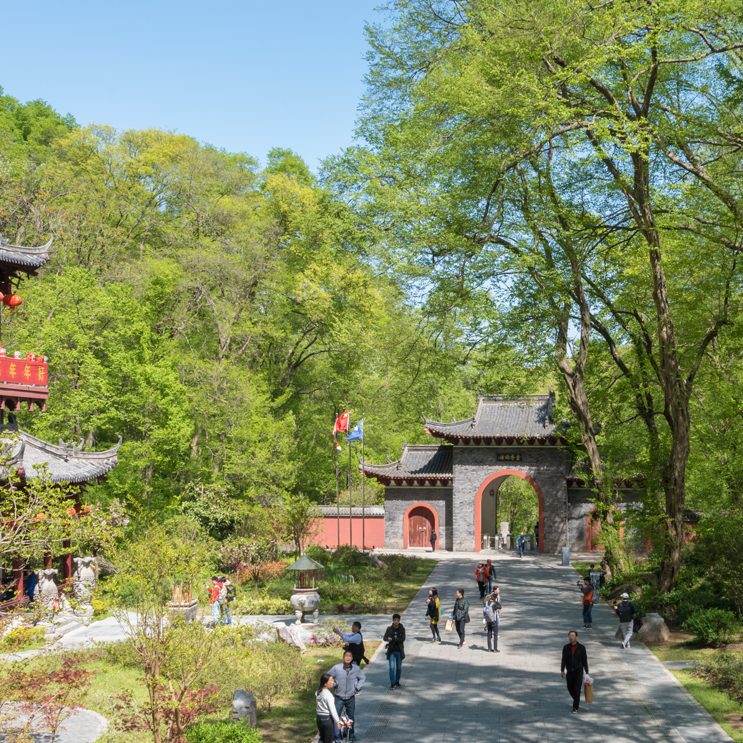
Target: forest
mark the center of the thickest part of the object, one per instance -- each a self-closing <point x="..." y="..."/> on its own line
<point x="517" y="217"/>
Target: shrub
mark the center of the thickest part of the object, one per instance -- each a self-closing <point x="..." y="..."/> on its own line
<point x="101" y="607"/>
<point x="222" y="732"/>
<point x="350" y="557"/>
<point x="726" y="672"/>
<point x="262" y="604"/>
<point x="22" y="637"/>
<point x="713" y="626"/>
<point x="319" y="555"/>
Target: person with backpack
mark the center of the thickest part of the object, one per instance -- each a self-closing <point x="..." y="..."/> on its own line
<point x="481" y="579"/>
<point x="490" y="574"/>
<point x="491" y="613"/>
<point x="349" y="679"/>
<point x="587" y="592"/>
<point x="227" y="594"/>
<point x="461" y="615"/>
<point x="574" y="662"/>
<point x="626" y="613"/>
<point x="394" y="636"/>
<point x="325" y="712"/>
<point x="433" y="610"/>
<point x="354" y="643"/>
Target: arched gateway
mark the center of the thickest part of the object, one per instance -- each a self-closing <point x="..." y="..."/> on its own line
<point x="505" y="437"/>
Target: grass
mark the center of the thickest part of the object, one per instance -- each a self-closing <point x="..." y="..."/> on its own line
<point x="291" y="719"/>
<point x="726" y="711"/>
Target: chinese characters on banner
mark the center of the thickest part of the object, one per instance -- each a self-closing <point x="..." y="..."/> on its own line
<point x="20" y="371"/>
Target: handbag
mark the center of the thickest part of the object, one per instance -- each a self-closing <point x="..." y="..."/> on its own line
<point x="449" y="625"/>
<point x="588" y="689"/>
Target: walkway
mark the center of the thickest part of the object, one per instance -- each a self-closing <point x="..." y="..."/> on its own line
<point x="517" y="694"/>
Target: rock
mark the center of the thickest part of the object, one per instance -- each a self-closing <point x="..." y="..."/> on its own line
<point x="244" y="707"/>
<point x="653" y="631"/>
<point x="378" y="563"/>
<point x="291" y="636"/>
<point x="105" y="567"/>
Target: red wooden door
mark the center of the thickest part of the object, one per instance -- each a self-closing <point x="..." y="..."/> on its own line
<point x="420" y="526"/>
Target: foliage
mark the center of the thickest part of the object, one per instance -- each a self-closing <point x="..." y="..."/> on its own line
<point x="713" y="626"/>
<point x="49" y="693"/>
<point x="222" y="732"/>
<point x="718" y="552"/>
<point x="518" y="504"/>
<point x="252" y="559"/>
<point x="212" y="507"/>
<point x="724" y="670"/>
<point x="261" y="604"/>
<point x="275" y="670"/>
<point x="21" y="637"/>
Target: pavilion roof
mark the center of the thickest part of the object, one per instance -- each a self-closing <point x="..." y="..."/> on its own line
<point x="503" y="420"/>
<point x="65" y="462"/>
<point x="418" y="465"/>
<point x="25" y="259"/>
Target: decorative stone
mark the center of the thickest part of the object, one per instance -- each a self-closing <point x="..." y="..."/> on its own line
<point x="291" y="635"/>
<point x="46" y="592"/>
<point x="654" y="630"/>
<point x="304" y="601"/>
<point x="83" y="584"/>
<point x="244" y="708"/>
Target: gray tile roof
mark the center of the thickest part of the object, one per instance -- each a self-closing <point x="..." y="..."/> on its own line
<point x="18" y="256"/>
<point x="501" y="417"/>
<point x="425" y="463"/>
<point x="65" y="462"/>
<point x="369" y="511"/>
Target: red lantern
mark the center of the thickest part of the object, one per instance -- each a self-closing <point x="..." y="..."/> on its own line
<point x="71" y="511"/>
<point x="12" y="300"/>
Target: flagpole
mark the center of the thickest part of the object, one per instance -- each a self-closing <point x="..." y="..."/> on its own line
<point x="363" y="502"/>
<point x="350" y="501"/>
<point x="337" y="497"/>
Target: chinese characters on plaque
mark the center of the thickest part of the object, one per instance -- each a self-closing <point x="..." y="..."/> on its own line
<point x="509" y="457"/>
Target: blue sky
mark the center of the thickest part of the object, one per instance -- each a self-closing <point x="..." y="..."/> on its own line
<point x="246" y="76"/>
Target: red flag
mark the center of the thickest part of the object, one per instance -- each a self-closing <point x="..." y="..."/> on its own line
<point x="341" y="424"/>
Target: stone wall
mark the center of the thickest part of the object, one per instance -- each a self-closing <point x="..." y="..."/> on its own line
<point x="398" y="500"/>
<point x="547" y="466"/>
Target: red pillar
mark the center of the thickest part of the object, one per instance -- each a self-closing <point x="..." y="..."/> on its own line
<point x="66" y="562"/>
<point x="18" y="575"/>
<point x="47" y="560"/>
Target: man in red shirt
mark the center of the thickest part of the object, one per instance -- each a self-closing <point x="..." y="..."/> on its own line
<point x="574" y="662"/>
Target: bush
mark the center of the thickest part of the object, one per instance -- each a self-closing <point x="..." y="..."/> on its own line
<point x="319" y="555"/>
<point x="713" y="626"/>
<point x="726" y="672"/>
<point x="101" y="607"/>
<point x="262" y="604"/>
<point x="22" y="637"/>
<point x="222" y="732"/>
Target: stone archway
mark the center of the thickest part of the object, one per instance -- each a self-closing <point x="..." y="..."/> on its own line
<point x="501" y="475"/>
<point x="422" y="511"/>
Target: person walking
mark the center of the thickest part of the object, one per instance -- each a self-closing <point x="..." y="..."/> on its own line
<point x="433" y="541"/>
<point x="626" y="613"/>
<point x="461" y="615"/>
<point x="490" y="568"/>
<point x="433" y="610"/>
<point x="325" y="713"/>
<point x="354" y="642"/>
<point x="492" y="620"/>
<point x="574" y="662"/>
<point x="536" y="534"/>
<point x="481" y="579"/>
<point x="224" y="599"/>
<point x="394" y="636"/>
<point x="214" y="590"/>
<point x="521" y="543"/>
<point x="587" y="592"/>
<point x="349" y="679"/>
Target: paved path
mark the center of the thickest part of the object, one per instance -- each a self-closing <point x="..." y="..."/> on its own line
<point x="517" y="694"/>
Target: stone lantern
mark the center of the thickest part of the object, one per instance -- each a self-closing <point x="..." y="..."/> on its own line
<point x="305" y="599"/>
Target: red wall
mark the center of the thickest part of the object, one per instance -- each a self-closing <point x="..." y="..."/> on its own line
<point x="373" y="531"/>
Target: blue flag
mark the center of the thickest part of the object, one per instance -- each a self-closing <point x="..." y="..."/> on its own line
<point x="357" y="433"/>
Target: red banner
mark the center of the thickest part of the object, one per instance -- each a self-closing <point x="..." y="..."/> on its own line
<point x="20" y="371"/>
